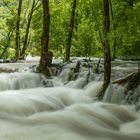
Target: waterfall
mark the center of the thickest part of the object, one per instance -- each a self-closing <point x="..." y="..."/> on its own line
<point x="117" y="94"/>
<point x="19" y="81"/>
<point x="63" y="108"/>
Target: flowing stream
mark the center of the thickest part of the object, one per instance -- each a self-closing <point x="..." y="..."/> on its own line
<point x="34" y="108"/>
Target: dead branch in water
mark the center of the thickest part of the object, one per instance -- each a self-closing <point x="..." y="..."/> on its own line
<point x="131" y="81"/>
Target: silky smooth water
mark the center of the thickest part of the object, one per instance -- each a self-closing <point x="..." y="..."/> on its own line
<point x="67" y="111"/>
<point x="61" y="113"/>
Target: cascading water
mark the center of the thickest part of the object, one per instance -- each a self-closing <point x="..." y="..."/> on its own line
<point x="67" y="111"/>
<point x="19" y="80"/>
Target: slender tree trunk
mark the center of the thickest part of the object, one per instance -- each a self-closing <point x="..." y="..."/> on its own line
<point x="10" y="33"/>
<point x="18" y="29"/>
<point x="97" y="24"/>
<point x="71" y="27"/>
<point x="107" y="56"/>
<point x="45" y="39"/>
<point x="114" y="28"/>
<point x="25" y="13"/>
<point x="27" y="30"/>
<point x="106" y="47"/>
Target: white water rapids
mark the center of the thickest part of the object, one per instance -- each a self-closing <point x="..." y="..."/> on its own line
<point x="29" y="111"/>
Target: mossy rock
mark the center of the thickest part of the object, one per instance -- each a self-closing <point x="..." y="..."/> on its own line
<point x="44" y="70"/>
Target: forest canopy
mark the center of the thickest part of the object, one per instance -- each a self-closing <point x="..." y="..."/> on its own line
<point x="87" y="32"/>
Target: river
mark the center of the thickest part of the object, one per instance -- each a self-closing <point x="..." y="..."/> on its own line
<point x="65" y="110"/>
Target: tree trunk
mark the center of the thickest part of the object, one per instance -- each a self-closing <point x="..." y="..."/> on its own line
<point x="98" y="26"/>
<point x="18" y="29"/>
<point x="114" y="32"/>
<point x="27" y="30"/>
<point x="45" y="40"/>
<point x="9" y="35"/>
<point x="69" y="39"/>
<point x="106" y="47"/>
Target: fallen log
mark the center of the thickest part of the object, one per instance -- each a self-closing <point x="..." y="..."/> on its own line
<point x="130" y="82"/>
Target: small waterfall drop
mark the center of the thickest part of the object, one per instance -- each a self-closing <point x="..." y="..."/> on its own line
<point x="17" y="80"/>
<point x="114" y="94"/>
<point x="117" y="94"/>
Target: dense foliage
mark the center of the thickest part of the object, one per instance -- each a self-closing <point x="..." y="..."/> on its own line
<point x="87" y="35"/>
